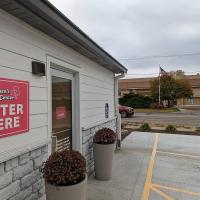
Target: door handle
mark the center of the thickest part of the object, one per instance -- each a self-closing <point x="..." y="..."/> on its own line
<point x="54" y="143"/>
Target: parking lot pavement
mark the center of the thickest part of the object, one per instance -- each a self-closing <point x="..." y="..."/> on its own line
<point x="177" y="166"/>
<point x="152" y="167"/>
<point x="191" y="119"/>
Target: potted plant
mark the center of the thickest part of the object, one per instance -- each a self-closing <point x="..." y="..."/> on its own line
<point x="103" y="148"/>
<point x="65" y="176"/>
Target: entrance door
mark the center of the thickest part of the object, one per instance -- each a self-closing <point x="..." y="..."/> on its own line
<point x="62" y="98"/>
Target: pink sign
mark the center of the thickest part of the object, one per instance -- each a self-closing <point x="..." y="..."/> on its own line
<point x="14" y="107"/>
<point x="61" y="113"/>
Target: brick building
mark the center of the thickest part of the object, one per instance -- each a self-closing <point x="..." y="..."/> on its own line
<point x="142" y="86"/>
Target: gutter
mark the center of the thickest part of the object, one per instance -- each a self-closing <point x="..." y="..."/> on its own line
<point x="117" y="114"/>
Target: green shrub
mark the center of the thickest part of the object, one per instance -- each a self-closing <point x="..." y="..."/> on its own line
<point x="145" y="127"/>
<point x="123" y="125"/>
<point x="155" y="105"/>
<point x="170" y="129"/>
<point x="135" y="101"/>
<point x="197" y="129"/>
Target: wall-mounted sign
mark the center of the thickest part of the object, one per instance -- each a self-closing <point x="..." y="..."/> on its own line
<point x="106" y="110"/>
<point x="61" y="112"/>
<point x="14" y="107"/>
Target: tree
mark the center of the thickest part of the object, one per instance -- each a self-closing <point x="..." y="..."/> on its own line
<point x="180" y="73"/>
<point x="171" y="89"/>
<point x="167" y="85"/>
<point x="183" y="89"/>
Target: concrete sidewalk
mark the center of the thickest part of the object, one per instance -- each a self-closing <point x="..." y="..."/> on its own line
<point x="129" y="171"/>
<point x="175" y="163"/>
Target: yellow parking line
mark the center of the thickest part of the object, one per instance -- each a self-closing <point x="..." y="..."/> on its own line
<point x="162" y="194"/>
<point x="147" y="185"/>
<point x="177" y="190"/>
<point x="179" y="154"/>
<point x="156" y="187"/>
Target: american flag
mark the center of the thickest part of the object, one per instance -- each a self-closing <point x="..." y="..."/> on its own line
<point x="162" y="72"/>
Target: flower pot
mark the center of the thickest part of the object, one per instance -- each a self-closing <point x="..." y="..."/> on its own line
<point x="103" y="158"/>
<point x="71" y="192"/>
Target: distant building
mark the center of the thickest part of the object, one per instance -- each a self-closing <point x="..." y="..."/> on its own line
<point x="142" y="86"/>
<point x="194" y="81"/>
<point x="135" y="85"/>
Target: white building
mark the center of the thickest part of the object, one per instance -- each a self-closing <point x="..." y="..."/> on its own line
<point x="60" y="107"/>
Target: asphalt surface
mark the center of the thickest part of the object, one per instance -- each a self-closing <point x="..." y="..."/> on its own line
<point x="152" y="167"/>
<point x="191" y="118"/>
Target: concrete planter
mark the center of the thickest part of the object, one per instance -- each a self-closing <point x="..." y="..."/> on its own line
<point x="72" y="192"/>
<point x="103" y="158"/>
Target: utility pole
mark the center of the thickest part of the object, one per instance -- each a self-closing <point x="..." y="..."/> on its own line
<point x="159" y="87"/>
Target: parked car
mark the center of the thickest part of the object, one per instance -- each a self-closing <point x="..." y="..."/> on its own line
<point x="126" y="111"/>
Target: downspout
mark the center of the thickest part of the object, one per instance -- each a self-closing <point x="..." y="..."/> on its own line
<point x="117" y="114"/>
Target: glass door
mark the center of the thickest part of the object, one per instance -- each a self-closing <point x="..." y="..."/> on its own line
<point x="61" y="110"/>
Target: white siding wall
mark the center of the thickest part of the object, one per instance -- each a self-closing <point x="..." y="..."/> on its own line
<point x="97" y="88"/>
<point x="19" y="45"/>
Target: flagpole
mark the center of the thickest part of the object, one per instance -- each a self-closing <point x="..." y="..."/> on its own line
<point x="159" y="87"/>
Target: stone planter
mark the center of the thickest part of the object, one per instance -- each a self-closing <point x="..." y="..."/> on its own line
<point x="103" y="158"/>
<point x="72" y="192"/>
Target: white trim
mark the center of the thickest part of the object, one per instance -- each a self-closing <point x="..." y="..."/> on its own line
<point x="7" y="155"/>
<point x="61" y="74"/>
<point x="63" y="64"/>
<point x="118" y="124"/>
<point x="98" y="123"/>
<point x="49" y="103"/>
<point x="77" y="111"/>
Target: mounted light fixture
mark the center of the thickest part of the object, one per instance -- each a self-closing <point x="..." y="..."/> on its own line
<point x="38" y="68"/>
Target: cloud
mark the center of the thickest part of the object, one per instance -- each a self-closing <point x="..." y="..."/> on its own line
<point x="140" y="28"/>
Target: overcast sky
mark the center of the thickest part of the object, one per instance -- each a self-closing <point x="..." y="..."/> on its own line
<point x="134" y="29"/>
